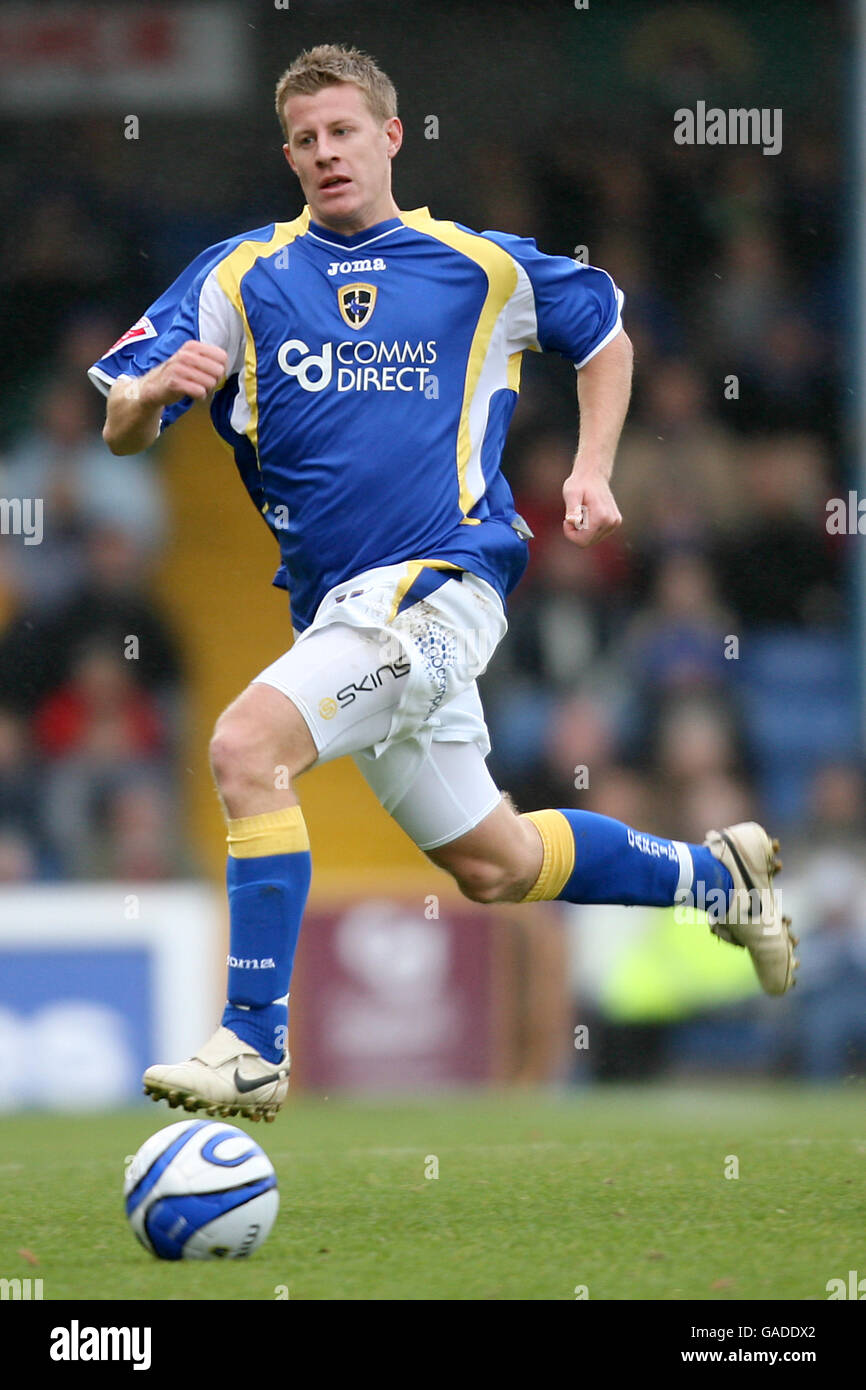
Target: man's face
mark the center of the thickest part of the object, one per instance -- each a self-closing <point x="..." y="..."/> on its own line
<point x="342" y="157"/>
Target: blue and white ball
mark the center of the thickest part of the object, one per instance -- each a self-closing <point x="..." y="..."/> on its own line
<point x="201" y="1190"/>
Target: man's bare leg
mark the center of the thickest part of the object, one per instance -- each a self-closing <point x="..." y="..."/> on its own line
<point x="261" y="743"/>
<point x="581" y="857"/>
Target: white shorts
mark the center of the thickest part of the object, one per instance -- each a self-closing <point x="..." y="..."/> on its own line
<point x="391" y="679"/>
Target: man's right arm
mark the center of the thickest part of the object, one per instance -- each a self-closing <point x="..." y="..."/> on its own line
<point x="135" y="404"/>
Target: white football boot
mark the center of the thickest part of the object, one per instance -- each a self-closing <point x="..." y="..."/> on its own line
<point x="753" y="917"/>
<point x="225" y="1077"/>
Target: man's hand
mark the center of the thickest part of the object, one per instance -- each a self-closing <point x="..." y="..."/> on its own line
<point x="194" y="370"/>
<point x="590" y="510"/>
<point x="135" y="404"/>
<point x="603" y="388"/>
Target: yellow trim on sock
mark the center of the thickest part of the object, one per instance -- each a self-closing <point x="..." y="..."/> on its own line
<point x="273" y="832"/>
<point x="557" y="865"/>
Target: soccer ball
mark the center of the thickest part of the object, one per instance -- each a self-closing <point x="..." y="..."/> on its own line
<point x="201" y="1190"/>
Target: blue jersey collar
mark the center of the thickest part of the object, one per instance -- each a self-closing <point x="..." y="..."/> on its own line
<point x="357" y="238"/>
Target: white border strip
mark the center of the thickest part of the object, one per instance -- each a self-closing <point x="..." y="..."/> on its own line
<point x="181" y="925"/>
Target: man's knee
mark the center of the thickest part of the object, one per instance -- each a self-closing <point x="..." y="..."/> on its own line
<point x="232" y="749"/>
<point x="260" y="739"/>
<point x="498" y="861"/>
<point x="483" y="882"/>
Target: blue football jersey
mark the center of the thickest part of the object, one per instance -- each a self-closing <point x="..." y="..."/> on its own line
<point x="371" y="380"/>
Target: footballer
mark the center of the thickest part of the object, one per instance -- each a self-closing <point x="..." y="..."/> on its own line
<point x="363" y="362"/>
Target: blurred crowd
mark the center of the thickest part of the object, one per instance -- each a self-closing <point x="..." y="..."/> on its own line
<point x="693" y="670"/>
<point x="700" y="662"/>
<point x="91" y="704"/>
<point x="699" y="668"/>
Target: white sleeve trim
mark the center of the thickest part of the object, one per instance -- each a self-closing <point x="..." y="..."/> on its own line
<point x="617" y="328"/>
<point x="102" y="380"/>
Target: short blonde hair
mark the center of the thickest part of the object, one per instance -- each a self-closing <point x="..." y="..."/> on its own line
<point x="329" y="64"/>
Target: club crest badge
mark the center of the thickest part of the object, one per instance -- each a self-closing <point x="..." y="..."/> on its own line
<point x="357" y="303"/>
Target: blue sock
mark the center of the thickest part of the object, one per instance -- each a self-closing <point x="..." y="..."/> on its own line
<point x="268" y="878"/>
<point x="590" y="858"/>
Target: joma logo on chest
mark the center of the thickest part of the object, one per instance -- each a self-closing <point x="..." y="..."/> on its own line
<point x="354" y="267"/>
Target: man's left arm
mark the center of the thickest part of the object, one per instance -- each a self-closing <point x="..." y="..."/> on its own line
<point x="603" y="392"/>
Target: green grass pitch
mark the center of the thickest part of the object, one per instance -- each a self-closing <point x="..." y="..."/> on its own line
<point x="619" y="1190"/>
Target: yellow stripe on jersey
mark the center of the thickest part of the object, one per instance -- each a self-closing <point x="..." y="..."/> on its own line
<point x="230" y="273"/>
<point x="501" y="274"/>
<point x="413" y="569"/>
<point x="515" y="362"/>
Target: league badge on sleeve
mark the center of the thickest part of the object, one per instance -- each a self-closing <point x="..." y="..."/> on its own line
<point x="140" y="330"/>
